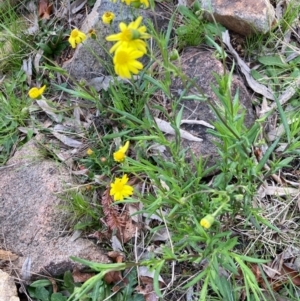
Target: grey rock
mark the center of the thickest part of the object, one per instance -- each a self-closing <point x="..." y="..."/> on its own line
<point x="200" y="65"/>
<point x="8" y="289"/>
<point x="91" y="59"/>
<point x="242" y="16"/>
<point x="31" y="219"/>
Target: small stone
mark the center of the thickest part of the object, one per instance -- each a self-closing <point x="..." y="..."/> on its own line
<point x="8" y="289"/>
<point x="241" y="16"/>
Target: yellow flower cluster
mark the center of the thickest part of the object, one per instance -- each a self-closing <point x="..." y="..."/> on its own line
<point x="129" y="47"/>
<point x="119" y="188"/>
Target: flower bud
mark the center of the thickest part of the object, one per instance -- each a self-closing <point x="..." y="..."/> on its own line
<point x="89" y="152"/>
<point x="207" y="221"/>
<point x="108" y="17"/>
<point x="182" y="200"/>
<point x="92" y="34"/>
<point x="239" y="197"/>
<point x="25" y="111"/>
<point x="174" y="55"/>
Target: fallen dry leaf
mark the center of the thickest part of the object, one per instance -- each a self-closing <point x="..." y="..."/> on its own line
<point x="113" y="277"/>
<point x="45" y="9"/>
<point x="7" y="255"/>
<point x="280" y="191"/>
<point x="291" y="273"/>
<point x="274" y="283"/>
<point x="66" y="140"/>
<point x="127" y="232"/>
<point x="80" y="276"/>
<point x="48" y="110"/>
<point x="166" y="127"/>
<point x="77" y="5"/>
<point x="116" y="256"/>
<point x="120" y="222"/>
<point x="254" y="85"/>
<point x="146" y="289"/>
<point x="116" y="244"/>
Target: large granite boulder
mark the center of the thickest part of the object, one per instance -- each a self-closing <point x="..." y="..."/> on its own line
<point x="91" y="59"/>
<point x="242" y="16"/>
<point x="200" y="65"/>
<point x="32" y="223"/>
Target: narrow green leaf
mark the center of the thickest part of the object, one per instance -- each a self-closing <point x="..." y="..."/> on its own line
<point x="127" y="115"/>
<point x="169" y="30"/>
<point x="81" y="94"/>
<point x="203" y="295"/>
<point x="251" y="259"/>
<point x="284" y="120"/>
<point x="156" y="278"/>
<point x="179" y="117"/>
<point x="195" y="279"/>
<point x="115" y="135"/>
<point x="266" y="156"/>
<point x="139" y="138"/>
<point x="87" y="286"/>
<point x="187" y="13"/>
<point x="159" y="84"/>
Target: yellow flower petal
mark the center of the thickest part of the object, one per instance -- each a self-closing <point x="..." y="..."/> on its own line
<point x="120" y="155"/>
<point x="76" y="37"/>
<point x="35" y="92"/>
<point x="130" y="36"/>
<point x="207" y="221"/>
<point x="119" y="188"/>
<point x="125" y="60"/>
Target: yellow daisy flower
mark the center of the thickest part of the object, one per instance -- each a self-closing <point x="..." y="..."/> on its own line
<point x="108" y="17"/>
<point x="207" y="221"/>
<point x="130" y="36"/>
<point x="120" y="155"/>
<point x="76" y="37"/>
<point x="125" y="61"/>
<point x="35" y="92"/>
<point x="119" y="189"/>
